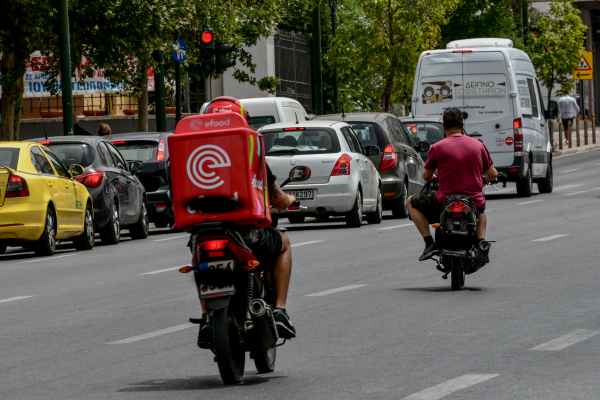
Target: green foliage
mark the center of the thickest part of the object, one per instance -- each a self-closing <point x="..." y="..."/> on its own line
<point x="557" y="45"/>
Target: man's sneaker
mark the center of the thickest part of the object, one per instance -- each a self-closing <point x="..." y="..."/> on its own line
<point x="204" y="336"/>
<point x="285" y="329"/>
<point x="429" y="252"/>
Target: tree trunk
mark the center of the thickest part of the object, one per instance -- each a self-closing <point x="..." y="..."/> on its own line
<point x="143" y="104"/>
<point x="386" y="98"/>
<point x="18" y="106"/>
<point x="550" y="87"/>
<point x="8" y="96"/>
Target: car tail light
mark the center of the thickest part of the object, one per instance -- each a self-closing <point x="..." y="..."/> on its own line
<point x="91" y="179"/>
<point x="342" y="166"/>
<point x="45" y="143"/>
<point x="160" y="154"/>
<point x="213" y="245"/>
<point x="389" y="158"/>
<point x="294" y="129"/>
<point x="17" y="187"/>
<point x="457" y="207"/>
<point x="119" y="142"/>
<point x="518" y="136"/>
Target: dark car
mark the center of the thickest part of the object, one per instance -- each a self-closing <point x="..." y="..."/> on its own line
<point x="399" y="163"/>
<point x="150" y="149"/>
<point x="424" y="129"/>
<point x="118" y="195"/>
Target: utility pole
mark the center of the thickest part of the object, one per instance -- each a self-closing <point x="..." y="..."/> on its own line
<point x="317" y="60"/>
<point x="336" y="103"/>
<point x="178" y="114"/>
<point x="65" y="67"/>
<point x="159" y="83"/>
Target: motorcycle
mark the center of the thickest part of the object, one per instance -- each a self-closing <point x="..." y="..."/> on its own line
<point x="239" y="295"/>
<point x="460" y="253"/>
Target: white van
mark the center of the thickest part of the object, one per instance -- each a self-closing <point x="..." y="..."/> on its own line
<point x="270" y="110"/>
<point x="496" y="86"/>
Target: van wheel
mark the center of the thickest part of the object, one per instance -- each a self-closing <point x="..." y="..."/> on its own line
<point x="525" y="185"/>
<point x="400" y="206"/>
<point x="296" y="219"/>
<point x="546" y="184"/>
<point x="46" y="244"/>
<point x="3" y="248"/>
<point x="354" y="217"/>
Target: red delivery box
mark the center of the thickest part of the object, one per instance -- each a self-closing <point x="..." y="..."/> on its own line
<point x="218" y="172"/>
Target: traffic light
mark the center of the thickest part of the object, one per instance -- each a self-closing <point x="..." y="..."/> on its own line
<point x="207" y="52"/>
<point x="222" y="62"/>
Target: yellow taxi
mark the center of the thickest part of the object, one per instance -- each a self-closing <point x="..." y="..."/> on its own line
<point x="41" y="202"/>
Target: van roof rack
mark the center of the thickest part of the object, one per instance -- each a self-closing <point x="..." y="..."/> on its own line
<point x="480" y="42"/>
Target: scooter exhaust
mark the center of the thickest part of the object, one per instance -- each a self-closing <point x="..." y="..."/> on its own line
<point x="264" y="332"/>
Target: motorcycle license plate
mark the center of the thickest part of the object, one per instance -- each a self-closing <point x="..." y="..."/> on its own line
<point x="214" y="291"/>
<point x="302" y="194"/>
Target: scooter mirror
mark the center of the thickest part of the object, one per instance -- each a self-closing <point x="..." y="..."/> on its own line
<point x="299" y="174"/>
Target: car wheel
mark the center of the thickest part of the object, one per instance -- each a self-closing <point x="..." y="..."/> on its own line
<point x="296" y="219"/>
<point x="322" y="217"/>
<point x="377" y="216"/>
<point x="400" y="206"/>
<point x="86" y="240"/>
<point x="46" y="244"/>
<point x="111" y="232"/>
<point x="546" y="185"/>
<point x="354" y="217"/>
<point x="3" y="248"/>
<point x="161" y="222"/>
<point x="525" y="185"/>
<point x="142" y="226"/>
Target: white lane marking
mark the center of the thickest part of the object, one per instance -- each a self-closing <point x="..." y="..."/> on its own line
<point x="571" y="194"/>
<point x="46" y="259"/>
<point x="564" y="187"/>
<point x="305" y="243"/>
<point x="15" y="298"/>
<point x="394" y="227"/>
<point x="567" y="340"/>
<point x="153" y="334"/>
<point x="529" y="202"/>
<point x="571" y="170"/>
<point x="162" y="270"/>
<point x="552" y="237"/>
<point x="336" y="290"/>
<point x="171" y="238"/>
<point x="449" y="387"/>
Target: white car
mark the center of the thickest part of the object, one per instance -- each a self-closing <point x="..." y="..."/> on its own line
<point x="343" y="180"/>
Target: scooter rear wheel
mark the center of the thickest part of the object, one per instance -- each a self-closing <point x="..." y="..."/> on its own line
<point x="231" y="358"/>
<point x="457" y="274"/>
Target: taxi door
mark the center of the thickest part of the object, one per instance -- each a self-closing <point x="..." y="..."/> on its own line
<point x="55" y="187"/>
<point x="73" y="213"/>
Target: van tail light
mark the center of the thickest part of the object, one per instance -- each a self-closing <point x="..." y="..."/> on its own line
<point x="91" y="179"/>
<point x="17" y="187"/>
<point x="518" y="136"/>
<point x="389" y="158"/>
<point x="457" y="207"/>
<point x="160" y="154"/>
<point x="213" y="245"/>
<point x="342" y="166"/>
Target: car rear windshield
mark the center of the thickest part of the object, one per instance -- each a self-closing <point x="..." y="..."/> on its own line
<point x="73" y="153"/>
<point x="9" y="157"/>
<point x="257" y="122"/>
<point x="137" y="150"/>
<point x="430" y="132"/>
<point x="309" y="141"/>
<point x="369" y="134"/>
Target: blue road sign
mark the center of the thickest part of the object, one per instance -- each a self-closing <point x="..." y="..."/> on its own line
<point x="180" y="54"/>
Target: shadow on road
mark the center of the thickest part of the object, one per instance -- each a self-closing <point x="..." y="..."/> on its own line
<point x="505" y="196"/>
<point x="195" y="383"/>
<point x="439" y="289"/>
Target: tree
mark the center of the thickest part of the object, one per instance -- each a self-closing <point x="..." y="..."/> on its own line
<point x="378" y="45"/>
<point x="557" y="45"/>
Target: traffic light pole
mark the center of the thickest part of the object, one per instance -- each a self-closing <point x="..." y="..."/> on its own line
<point x="318" y="71"/>
<point x="65" y="67"/>
<point x="159" y="83"/>
<point x="207" y="94"/>
<point x="178" y="113"/>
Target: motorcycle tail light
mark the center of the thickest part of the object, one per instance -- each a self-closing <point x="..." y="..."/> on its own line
<point x="457" y="207"/>
<point x="213" y="245"/>
<point x="389" y="158"/>
<point x="17" y="187"/>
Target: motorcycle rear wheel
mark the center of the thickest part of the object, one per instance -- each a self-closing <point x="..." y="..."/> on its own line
<point x="231" y="358"/>
<point x="457" y="274"/>
<point x="265" y="361"/>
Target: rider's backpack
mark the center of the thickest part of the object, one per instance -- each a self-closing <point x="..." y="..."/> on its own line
<point x="218" y="172"/>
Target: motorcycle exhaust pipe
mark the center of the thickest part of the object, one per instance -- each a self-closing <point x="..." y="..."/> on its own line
<point x="264" y="332"/>
<point x="481" y="254"/>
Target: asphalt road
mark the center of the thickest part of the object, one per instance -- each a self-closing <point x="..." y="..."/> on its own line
<point x="112" y="323"/>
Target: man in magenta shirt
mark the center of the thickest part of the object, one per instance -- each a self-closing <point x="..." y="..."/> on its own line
<point x="461" y="162"/>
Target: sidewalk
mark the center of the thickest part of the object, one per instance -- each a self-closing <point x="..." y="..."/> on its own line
<point x="574" y="149"/>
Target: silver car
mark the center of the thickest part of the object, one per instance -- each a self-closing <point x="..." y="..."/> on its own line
<point x="343" y="180"/>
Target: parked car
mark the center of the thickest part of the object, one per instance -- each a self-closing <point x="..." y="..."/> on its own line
<point x="150" y="149"/>
<point x="119" y="198"/>
<point x="343" y="180"/>
<point x="41" y="201"/>
<point x="399" y="163"/>
<point x="271" y="110"/>
<point x="424" y="129"/>
<point x="496" y="87"/>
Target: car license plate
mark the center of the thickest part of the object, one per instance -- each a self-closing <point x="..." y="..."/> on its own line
<point x="302" y="194"/>
<point x="209" y="291"/>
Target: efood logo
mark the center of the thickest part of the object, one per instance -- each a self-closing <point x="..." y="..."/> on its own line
<point x="195" y="124"/>
<point x="201" y="163"/>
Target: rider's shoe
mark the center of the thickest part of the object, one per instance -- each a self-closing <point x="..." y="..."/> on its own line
<point x="204" y="338"/>
<point x="429" y="252"/>
<point x="285" y="329"/>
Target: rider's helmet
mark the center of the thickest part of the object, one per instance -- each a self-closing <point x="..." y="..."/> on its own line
<point x="226" y="104"/>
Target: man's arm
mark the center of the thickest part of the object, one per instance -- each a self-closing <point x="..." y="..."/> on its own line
<point x="429" y="174"/>
<point x="490" y="174"/>
<point x="278" y="199"/>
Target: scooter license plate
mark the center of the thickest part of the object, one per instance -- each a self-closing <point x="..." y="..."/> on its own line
<point x="207" y="291"/>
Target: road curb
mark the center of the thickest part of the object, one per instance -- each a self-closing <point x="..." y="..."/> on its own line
<point x="558" y="153"/>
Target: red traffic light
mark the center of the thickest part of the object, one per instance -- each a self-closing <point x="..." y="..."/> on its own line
<point x="207" y="37"/>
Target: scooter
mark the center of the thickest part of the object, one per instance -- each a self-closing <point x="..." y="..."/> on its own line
<point x="239" y="295"/>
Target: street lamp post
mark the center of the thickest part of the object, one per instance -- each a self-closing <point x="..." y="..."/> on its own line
<point x="336" y="103"/>
<point x="65" y="67"/>
<point x="317" y="60"/>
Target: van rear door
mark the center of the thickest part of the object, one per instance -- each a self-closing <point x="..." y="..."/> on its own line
<point x="440" y="77"/>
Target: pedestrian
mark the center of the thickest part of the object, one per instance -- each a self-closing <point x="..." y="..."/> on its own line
<point x="566" y="110"/>
<point x="104" y="130"/>
<point x="77" y="130"/>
